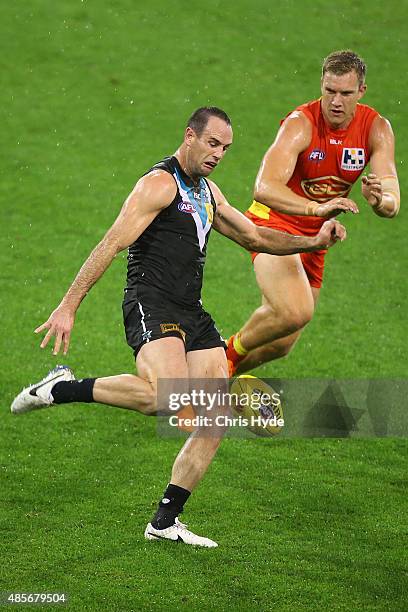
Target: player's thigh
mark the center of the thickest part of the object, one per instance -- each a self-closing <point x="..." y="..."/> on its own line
<point x="207" y="363"/>
<point x="315" y="294"/>
<point x="283" y="282"/>
<point x="162" y="358"/>
<point x="163" y="364"/>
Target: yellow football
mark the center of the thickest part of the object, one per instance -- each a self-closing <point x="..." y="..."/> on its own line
<point x="258" y="405"/>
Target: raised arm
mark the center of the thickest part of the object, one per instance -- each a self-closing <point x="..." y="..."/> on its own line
<point x="277" y="167"/>
<point x="234" y="225"/>
<point x="381" y="188"/>
<point x="151" y="194"/>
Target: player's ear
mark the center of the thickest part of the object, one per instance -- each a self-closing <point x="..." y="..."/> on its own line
<point x="189" y="135"/>
<point x="361" y="90"/>
<point x="321" y="85"/>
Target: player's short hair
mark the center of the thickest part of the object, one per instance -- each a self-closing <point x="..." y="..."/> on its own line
<point x="342" y="62"/>
<point x="200" y="117"/>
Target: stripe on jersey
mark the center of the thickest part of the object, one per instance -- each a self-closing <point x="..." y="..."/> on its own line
<point x="200" y="217"/>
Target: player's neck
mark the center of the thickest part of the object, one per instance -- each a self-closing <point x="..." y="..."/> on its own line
<point x="182" y="158"/>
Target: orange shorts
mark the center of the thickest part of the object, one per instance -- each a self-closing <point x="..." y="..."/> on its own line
<point x="313" y="263"/>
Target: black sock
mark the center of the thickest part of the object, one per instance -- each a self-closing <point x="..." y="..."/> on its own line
<point x="170" y="506"/>
<point x="73" y="391"/>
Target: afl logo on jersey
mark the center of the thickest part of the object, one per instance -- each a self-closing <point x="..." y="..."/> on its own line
<point x="186" y="207"/>
<point x="353" y="159"/>
<point x="317" y="155"/>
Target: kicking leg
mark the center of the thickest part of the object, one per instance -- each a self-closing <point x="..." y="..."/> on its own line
<point x="163" y="358"/>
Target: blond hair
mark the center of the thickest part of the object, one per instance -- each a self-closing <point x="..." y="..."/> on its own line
<point x="343" y="62"/>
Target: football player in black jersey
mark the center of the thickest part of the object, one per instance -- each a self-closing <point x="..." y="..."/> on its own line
<point x="165" y="223"/>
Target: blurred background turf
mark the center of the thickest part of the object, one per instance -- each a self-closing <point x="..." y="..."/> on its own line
<point x="93" y="93"/>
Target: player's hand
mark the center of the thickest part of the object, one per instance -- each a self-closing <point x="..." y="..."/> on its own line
<point x="331" y="232"/>
<point x="59" y="324"/>
<point x="371" y="189"/>
<point x="334" y="207"/>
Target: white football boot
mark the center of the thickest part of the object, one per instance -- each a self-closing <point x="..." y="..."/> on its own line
<point x="178" y="533"/>
<point x="39" y="395"/>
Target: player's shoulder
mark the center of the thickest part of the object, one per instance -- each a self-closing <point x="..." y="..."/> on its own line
<point x="158" y="178"/>
<point x="297" y="119"/>
<point x="366" y="109"/>
<point x="305" y="114"/>
<point x="156" y="187"/>
<point x="376" y="121"/>
<point x="381" y="123"/>
<point x="296" y="130"/>
<point x="380" y="131"/>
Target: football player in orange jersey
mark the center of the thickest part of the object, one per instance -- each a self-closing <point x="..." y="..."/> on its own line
<point x="320" y="151"/>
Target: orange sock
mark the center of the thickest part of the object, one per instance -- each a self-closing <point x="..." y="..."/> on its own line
<point x="235" y="352"/>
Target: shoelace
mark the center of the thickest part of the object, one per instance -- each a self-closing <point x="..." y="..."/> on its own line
<point x="181" y="525"/>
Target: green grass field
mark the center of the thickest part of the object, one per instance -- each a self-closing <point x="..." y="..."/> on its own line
<point x="93" y="94"/>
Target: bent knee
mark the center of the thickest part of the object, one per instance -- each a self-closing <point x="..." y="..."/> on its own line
<point x="149" y="404"/>
<point x="144" y="400"/>
<point x="291" y="317"/>
<point x="297" y="318"/>
<point x="165" y="396"/>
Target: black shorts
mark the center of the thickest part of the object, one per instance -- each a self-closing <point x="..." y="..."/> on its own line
<point x="150" y="316"/>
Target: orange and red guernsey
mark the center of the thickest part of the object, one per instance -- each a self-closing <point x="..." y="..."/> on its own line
<point x="328" y="168"/>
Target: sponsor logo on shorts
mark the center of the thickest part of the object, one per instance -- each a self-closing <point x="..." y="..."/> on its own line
<point x="353" y="159"/>
<point x="325" y="188"/>
<point x="169" y="327"/>
<point x="186" y="207"/>
<point x="317" y="155"/>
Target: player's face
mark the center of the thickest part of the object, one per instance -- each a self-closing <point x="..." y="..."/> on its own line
<point x="207" y="150"/>
<point x="340" y="94"/>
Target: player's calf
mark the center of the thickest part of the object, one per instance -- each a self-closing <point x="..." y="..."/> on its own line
<point x="266" y="327"/>
<point x="277" y="349"/>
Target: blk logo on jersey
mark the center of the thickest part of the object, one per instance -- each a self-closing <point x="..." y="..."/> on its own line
<point x="317" y="155"/>
<point x="186" y="207"/>
<point x="353" y="159"/>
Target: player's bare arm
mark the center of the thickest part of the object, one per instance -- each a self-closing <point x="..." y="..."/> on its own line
<point x="277" y="167"/>
<point x="381" y="188"/>
<point x="231" y="223"/>
<point x="151" y="194"/>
